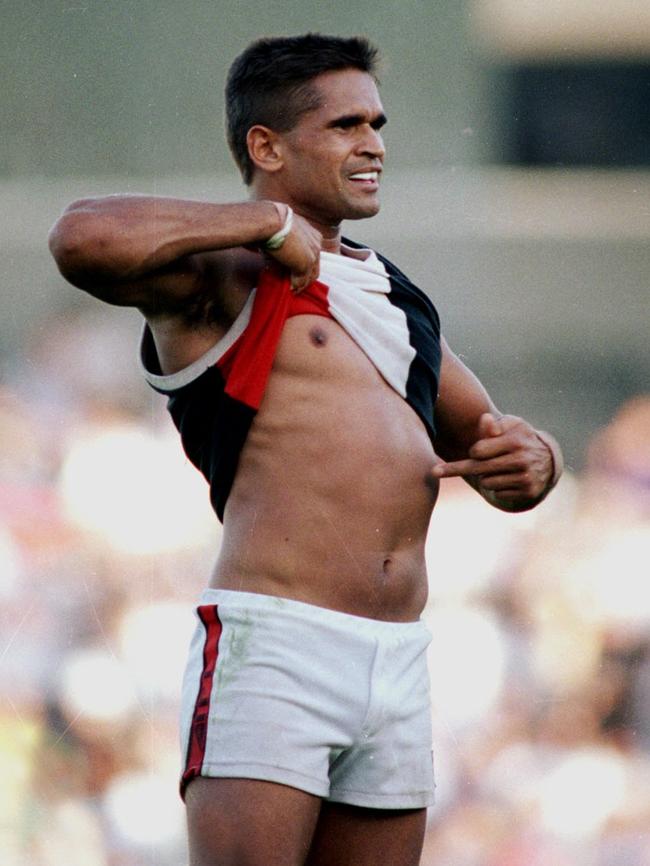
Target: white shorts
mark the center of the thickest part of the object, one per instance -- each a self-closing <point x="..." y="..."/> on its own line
<point x="333" y="704"/>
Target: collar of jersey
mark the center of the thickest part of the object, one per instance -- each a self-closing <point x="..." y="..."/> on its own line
<point x="367" y="274"/>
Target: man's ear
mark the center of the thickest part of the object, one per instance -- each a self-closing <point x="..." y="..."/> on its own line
<point x="264" y="148"/>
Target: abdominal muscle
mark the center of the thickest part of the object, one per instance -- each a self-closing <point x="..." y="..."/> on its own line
<point x="333" y="493"/>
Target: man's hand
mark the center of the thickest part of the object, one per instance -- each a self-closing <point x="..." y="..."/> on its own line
<point x="300" y="253"/>
<point x="509" y="465"/>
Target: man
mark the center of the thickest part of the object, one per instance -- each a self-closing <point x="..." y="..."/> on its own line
<point x="302" y="373"/>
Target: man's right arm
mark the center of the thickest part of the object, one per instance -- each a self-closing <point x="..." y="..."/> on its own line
<point x="153" y="252"/>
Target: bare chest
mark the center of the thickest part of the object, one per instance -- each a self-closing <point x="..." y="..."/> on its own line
<point x="325" y="393"/>
<point x="315" y="348"/>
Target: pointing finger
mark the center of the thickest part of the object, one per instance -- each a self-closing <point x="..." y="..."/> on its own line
<point x="457" y="469"/>
<point x="462" y="468"/>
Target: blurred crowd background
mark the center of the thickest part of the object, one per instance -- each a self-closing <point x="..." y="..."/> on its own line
<point x="516" y="193"/>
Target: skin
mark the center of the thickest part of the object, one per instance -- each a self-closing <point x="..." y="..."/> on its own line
<point x="345" y="537"/>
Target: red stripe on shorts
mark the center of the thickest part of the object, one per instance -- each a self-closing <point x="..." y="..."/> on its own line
<point x="209" y="616"/>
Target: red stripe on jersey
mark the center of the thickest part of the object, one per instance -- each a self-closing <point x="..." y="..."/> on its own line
<point x="209" y="616"/>
<point x="313" y="301"/>
<point x="246" y="366"/>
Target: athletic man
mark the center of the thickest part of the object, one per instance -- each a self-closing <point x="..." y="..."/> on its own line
<point x="302" y="373"/>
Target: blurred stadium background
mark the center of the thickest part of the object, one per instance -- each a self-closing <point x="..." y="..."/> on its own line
<point x="517" y="192"/>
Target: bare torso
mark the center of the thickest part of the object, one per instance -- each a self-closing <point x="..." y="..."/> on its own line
<point x="333" y="495"/>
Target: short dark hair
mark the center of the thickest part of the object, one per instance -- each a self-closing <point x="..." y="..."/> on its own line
<point x="270" y="83"/>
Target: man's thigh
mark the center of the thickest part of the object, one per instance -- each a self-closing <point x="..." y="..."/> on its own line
<point x="246" y="822"/>
<point x="355" y="836"/>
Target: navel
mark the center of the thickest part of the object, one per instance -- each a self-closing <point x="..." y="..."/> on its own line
<point x="318" y="336"/>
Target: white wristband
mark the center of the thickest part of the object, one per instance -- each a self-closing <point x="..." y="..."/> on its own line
<point x="276" y="240"/>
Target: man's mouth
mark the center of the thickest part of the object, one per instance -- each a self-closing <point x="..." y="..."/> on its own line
<point x="365" y="176"/>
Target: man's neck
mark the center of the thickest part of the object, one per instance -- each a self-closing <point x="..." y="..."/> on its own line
<point x="331" y="243"/>
<point x="331" y="233"/>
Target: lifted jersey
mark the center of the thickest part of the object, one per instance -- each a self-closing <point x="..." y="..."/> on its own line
<point x="214" y="400"/>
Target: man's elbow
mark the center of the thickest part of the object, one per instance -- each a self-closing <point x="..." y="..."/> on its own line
<point x="75" y="242"/>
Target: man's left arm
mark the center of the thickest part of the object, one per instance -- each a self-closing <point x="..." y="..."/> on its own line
<point x="512" y="465"/>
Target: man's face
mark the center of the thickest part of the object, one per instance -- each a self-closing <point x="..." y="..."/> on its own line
<point x="333" y="156"/>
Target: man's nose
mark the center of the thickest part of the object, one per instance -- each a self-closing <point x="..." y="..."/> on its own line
<point x="373" y="143"/>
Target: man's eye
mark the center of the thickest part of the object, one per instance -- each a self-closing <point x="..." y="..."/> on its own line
<point x="347" y="122"/>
